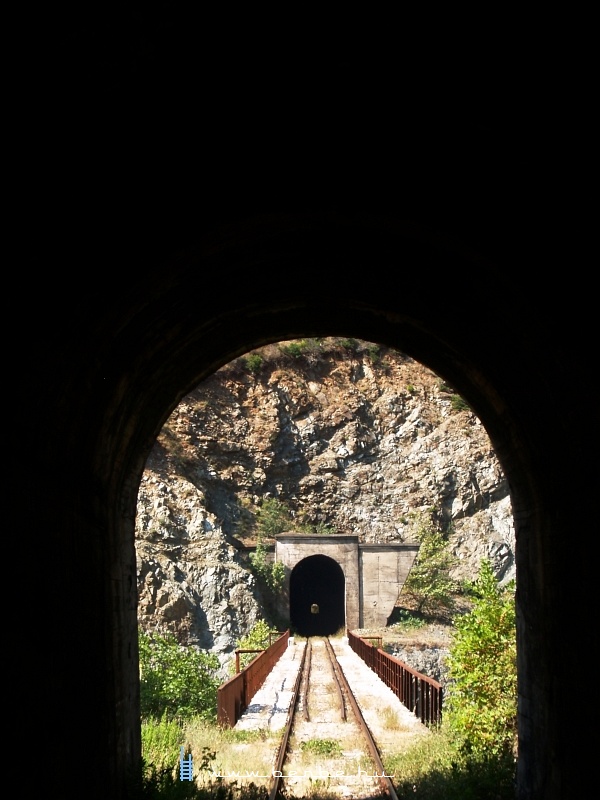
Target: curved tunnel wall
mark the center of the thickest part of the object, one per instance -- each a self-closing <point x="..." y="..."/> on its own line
<point x="317" y="597"/>
<point x="113" y="361"/>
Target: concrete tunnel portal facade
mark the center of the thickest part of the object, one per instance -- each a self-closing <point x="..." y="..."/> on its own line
<point x="335" y="582"/>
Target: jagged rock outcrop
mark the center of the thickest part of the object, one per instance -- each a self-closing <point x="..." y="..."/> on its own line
<point x="347" y="435"/>
<point x="430" y="661"/>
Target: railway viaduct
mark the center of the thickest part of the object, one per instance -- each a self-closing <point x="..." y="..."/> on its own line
<point x="162" y="244"/>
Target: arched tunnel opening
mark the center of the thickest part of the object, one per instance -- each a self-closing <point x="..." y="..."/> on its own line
<point x="317" y="597"/>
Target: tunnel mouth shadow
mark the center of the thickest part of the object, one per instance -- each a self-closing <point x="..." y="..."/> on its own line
<point x="317" y="597"/>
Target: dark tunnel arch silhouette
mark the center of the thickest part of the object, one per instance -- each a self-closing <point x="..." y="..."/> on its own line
<point x="317" y="596"/>
<point x="138" y="365"/>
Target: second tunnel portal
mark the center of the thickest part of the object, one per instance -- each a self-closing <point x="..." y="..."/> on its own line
<point x="317" y="597"/>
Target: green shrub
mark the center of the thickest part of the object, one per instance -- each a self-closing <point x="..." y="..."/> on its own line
<point x="349" y="344"/>
<point x="270" y="573"/>
<point x="403" y="619"/>
<point x="457" y="403"/>
<point x="321" y="529"/>
<point x="481" y="700"/>
<point x="302" y="347"/>
<point x="260" y="637"/>
<point x="253" y="363"/>
<point x="318" y="528"/>
<point x="429" y="585"/>
<point x="273" y="517"/>
<point x="374" y="353"/>
<point x="180" y="681"/>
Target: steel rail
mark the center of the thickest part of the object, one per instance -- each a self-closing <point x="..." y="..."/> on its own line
<point x="338" y="682"/>
<point x="283" y="746"/>
<point x="306" y="683"/>
<point x="342" y="686"/>
<point x="384" y="779"/>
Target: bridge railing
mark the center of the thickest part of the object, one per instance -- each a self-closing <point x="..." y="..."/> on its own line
<point x="234" y="696"/>
<point x="420" y="694"/>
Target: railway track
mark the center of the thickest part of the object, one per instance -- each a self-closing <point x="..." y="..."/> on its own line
<point x="326" y="743"/>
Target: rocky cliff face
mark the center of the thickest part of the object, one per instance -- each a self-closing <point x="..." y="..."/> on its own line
<point x="349" y="436"/>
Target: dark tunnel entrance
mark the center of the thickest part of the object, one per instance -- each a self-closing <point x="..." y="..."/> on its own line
<point x="317" y="597"/>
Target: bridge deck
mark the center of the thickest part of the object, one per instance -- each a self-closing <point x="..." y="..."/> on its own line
<point x="269" y="707"/>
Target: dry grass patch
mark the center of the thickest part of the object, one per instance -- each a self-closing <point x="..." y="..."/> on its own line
<point x="391" y="720"/>
<point x="367" y="702"/>
<point x="241" y="756"/>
